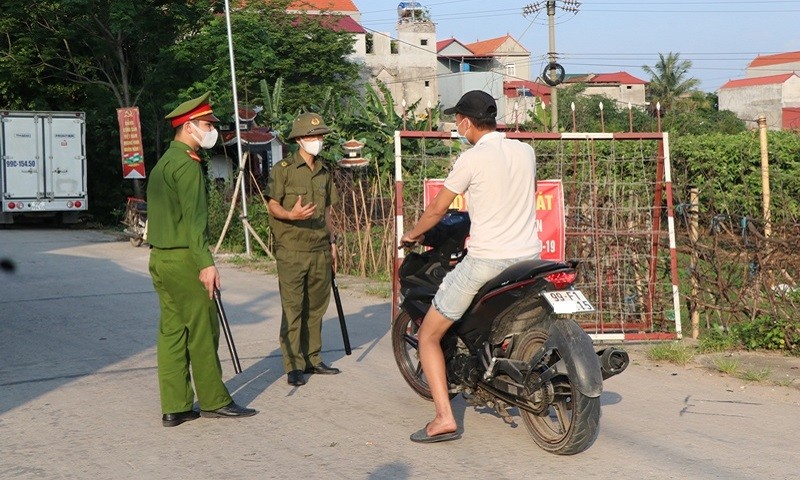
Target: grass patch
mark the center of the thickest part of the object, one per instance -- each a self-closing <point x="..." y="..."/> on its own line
<point x="674" y="352"/>
<point x="756" y="375"/>
<point x="382" y="291"/>
<point x="726" y="365"/>
<point x="258" y="263"/>
<point x="715" y="340"/>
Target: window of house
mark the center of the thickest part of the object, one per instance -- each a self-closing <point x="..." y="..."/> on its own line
<point x="395" y="48"/>
<point x="427" y="83"/>
<point x="629" y="87"/>
<point x="423" y="42"/>
<point x="370" y="43"/>
<point x="511" y="69"/>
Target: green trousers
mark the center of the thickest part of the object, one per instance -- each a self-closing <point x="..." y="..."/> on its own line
<point x="304" y="279"/>
<point x="188" y="334"/>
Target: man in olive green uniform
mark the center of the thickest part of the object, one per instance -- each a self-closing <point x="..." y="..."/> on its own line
<point x="184" y="274"/>
<point x="301" y="192"/>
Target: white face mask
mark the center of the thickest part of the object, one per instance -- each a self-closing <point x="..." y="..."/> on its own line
<point x="463" y="137"/>
<point x="209" y="139"/>
<point x="313" y="147"/>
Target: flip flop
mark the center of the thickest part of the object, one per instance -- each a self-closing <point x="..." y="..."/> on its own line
<point x="421" y="436"/>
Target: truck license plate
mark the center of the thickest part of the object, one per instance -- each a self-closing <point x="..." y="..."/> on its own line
<point x="37" y="206"/>
<point x="568" y="301"/>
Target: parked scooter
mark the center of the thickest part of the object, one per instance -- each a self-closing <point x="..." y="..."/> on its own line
<point x="135" y="221"/>
<point x="512" y="348"/>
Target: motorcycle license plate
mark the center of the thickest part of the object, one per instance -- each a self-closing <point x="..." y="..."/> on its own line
<point x="568" y="301"/>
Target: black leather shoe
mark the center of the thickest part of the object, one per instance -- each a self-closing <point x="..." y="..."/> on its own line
<point x="295" y="377"/>
<point x="323" y="369"/>
<point x="175" y="419"/>
<point x="230" y="410"/>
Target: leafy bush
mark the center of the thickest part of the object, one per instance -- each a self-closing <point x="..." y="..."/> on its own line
<point x="770" y="334"/>
<point x="717" y="340"/>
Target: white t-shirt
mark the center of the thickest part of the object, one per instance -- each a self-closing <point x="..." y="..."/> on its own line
<point x="498" y="179"/>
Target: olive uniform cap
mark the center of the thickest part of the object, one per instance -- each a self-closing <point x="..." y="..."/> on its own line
<point x="308" y="124"/>
<point x="195" y="109"/>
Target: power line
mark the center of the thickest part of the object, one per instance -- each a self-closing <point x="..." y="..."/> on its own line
<point x="621" y="60"/>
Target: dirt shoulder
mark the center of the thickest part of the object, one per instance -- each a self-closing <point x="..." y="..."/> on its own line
<point x="758" y="367"/>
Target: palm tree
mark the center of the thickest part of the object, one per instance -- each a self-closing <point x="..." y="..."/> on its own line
<point x="668" y="80"/>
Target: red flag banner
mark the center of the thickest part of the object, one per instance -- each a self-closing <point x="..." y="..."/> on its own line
<point x="130" y="142"/>
<point x="549" y="213"/>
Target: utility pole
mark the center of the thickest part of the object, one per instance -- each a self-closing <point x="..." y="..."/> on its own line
<point x="553" y="74"/>
<point x="765" y="194"/>
<point x="551" y="28"/>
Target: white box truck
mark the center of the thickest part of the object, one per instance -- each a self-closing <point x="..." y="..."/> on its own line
<point x="43" y="171"/>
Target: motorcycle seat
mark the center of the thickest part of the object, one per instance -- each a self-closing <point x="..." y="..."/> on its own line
<point x="519" y="272"/>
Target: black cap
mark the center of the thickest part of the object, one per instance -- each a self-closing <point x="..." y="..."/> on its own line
<point x="476" y="104"/>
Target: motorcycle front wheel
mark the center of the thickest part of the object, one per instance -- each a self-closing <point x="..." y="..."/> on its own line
<point x="405" y="349"/>
<point x="570" y="421"/>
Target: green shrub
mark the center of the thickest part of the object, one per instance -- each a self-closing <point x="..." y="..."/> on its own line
<point x="717" y="340"/>
<point x="770" y="334"/>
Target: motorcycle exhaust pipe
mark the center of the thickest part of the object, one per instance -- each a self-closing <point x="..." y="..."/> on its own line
<point x="613" y="361"/>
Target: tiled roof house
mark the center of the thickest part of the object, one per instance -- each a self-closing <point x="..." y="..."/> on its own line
<point x="771" y="87"/>
<point x="620" y="87"/>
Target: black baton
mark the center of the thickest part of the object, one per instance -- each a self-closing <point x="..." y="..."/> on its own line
<point x="226" y="330"/>
<point x="338" y="300"/>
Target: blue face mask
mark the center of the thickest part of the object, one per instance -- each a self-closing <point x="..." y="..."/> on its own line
<point x="463" y="138"/>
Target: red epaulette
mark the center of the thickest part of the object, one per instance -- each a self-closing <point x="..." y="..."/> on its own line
<point x="194" y="155"/>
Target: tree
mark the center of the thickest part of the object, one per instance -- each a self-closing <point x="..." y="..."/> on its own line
<point x="98" y="55"/>
<point x="305" y="51"/>
<point x="669" y="80"/>
<point x="697" y="114"/>
<point x="93" y="56"/>
<point x="114" y="45"/>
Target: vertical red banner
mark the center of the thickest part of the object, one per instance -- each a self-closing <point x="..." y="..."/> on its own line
<point x="549" y="214"/>
<point x="550" y="217"/>
<point x="130" y="142"/>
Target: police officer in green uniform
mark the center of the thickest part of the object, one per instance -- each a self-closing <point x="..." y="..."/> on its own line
<point x="301" y="192"/>
<point x="184" y="275"/>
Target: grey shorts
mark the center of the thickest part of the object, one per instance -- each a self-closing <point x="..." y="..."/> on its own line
<point x="459" y="287"/>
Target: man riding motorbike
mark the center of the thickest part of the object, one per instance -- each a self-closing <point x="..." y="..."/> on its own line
<point x="497" y="177"/>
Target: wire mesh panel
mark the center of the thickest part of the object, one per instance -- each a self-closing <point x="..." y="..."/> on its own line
<point x="618" y="217"/>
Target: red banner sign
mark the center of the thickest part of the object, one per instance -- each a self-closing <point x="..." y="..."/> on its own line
<point x="549" y="213"/>
<point x="130" y="142"/>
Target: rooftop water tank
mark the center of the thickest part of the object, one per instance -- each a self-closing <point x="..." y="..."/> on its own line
<point x="410" y="10"/>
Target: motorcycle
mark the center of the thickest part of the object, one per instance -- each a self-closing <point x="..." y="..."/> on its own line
<point x="512" y="348"/>
<point x="135" y="221"/>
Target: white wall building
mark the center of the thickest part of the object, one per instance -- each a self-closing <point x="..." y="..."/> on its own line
<point x="406" y="64"/>
<point x="768" y="65"/>
<point x="776" y="96"/>
<point x="771" y="87"/>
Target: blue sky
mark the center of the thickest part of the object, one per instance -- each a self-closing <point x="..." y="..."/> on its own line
<point x="719" y="37"/>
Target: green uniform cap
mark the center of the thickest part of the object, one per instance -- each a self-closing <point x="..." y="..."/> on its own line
<point x="308" y="124"/>
<point x="195" y="109"/>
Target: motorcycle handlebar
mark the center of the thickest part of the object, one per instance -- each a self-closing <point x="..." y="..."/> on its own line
<point x="407" y="245"/>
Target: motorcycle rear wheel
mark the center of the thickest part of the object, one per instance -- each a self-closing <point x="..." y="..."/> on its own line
<point x="572" y="420"/>
<point x="404" y="347"/>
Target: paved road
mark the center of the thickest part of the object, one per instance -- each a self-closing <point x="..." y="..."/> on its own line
<point x="78" y="394"/>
